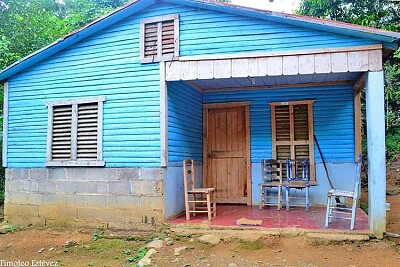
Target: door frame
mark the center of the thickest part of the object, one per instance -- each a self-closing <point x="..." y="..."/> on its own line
<point x="206" y="108"/>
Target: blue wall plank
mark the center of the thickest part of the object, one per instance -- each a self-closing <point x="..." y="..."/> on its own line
<point x="106" y="64"/>
<point x="185" y="123"/>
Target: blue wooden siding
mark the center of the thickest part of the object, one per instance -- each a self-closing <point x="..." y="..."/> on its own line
<point x="205" y="32"/>
<point x="185" y="123"/>
<point x="333" y="118"/>
<point x="107" y="64"/>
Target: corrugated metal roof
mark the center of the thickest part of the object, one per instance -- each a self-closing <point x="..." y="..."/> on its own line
<point x="389" y="39"/>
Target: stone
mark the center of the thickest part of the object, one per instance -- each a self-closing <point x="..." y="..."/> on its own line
<point x="146" y="260"/>
<point x="70" y="243"/>
<point x="170" y="243"/>
<point x="232" y="264"/>
<point x="177" y="251"/>
<point x="155" y="244"/>
<point x="210" y="239"/>
<point x="5" y="228"/>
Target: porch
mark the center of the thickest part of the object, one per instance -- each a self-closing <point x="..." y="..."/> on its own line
<point x="272" y="219"/>
<point x="230" y="112"/>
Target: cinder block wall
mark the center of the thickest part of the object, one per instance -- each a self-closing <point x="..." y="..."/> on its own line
<point x="115" y="198"/>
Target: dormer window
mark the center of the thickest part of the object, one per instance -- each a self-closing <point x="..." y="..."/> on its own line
<point x="159" y="39"/>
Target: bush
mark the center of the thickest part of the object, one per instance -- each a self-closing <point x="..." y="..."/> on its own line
<point x="393" y="144"/>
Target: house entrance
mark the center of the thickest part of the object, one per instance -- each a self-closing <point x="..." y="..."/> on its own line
<point x="227" y="151"/>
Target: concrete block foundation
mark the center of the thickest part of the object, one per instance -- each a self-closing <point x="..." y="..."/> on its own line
<point x="114" y="198"/>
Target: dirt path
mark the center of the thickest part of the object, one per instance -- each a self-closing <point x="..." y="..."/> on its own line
<point x="48" y="246"/>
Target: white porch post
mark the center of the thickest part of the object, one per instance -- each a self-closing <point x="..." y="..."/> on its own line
<point x="376" y="152"/>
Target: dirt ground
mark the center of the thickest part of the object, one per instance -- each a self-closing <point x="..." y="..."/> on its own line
<point x="47" y="247"/>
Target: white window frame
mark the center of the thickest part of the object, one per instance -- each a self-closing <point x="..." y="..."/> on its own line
<point x="74" y="161"/>
<point x="159" y="57"/>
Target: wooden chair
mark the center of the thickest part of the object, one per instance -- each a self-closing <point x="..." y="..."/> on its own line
<point x="197" y="200"/>
<point x="271" y="185"/>
<point x="338" y="210"/>
<point x="297" y="178"/>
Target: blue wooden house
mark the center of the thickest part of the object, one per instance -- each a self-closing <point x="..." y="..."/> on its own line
<point x="96" y="125"/>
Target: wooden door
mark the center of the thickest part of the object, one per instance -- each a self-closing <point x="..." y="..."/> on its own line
<point x="227" y="151"/>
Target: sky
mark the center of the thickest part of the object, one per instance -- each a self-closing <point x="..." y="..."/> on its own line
<point x="286" y="6"/>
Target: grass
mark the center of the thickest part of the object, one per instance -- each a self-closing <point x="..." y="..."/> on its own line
<point x="123" y="252"/>
<point x="251" y="245"/>
<point x="364" y="207"/>
<point x="2" y="186"/>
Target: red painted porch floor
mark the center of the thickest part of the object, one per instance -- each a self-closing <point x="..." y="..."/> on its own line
<point x="296" y="218"/>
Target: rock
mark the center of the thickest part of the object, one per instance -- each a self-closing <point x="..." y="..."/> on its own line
<point x="146" y="260"/>
<point x="5" y="228"/>
<point x="209" y="239"/>
<point x="70" y="243"/>
<point x="41" y="250"/>
<point x="155" y="244"/>
<point x="232" y="264"/>
<point x="177" y="251"/>
<point x="170" y="243"/>
<point x="191" y="240"/>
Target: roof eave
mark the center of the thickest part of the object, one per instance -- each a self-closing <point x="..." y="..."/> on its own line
<point x="389" y="39"/>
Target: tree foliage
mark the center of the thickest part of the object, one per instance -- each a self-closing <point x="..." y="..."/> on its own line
<point x="28" y="25"/>
<point x="374" y="13"/>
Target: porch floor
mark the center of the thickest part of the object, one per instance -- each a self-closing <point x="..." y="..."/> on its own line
<point x="296" y="218"/>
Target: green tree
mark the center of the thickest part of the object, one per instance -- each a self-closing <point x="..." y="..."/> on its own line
<point x="374" y="13"/>
<point x="27" y="25"/>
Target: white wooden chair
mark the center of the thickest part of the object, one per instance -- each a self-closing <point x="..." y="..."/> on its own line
<point x="297" y="178"/>
<point x="197" y="200"/>
<point x="336" y="211"/>
<point x="271" y="185"/>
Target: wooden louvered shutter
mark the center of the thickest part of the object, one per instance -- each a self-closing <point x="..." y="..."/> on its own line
<point x="301" y="131"/>
<point x="292" y="131"/>
<point x="282" y="126"/>
<point x="87" y="131"/>
<point x="61" y="129"/>
<point x="150" y="40"/>
<point x="168" y="38"/>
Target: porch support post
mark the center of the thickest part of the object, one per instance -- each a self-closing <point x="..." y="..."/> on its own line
<point x="163" y="117"/>
<point x="376" y="153"/>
